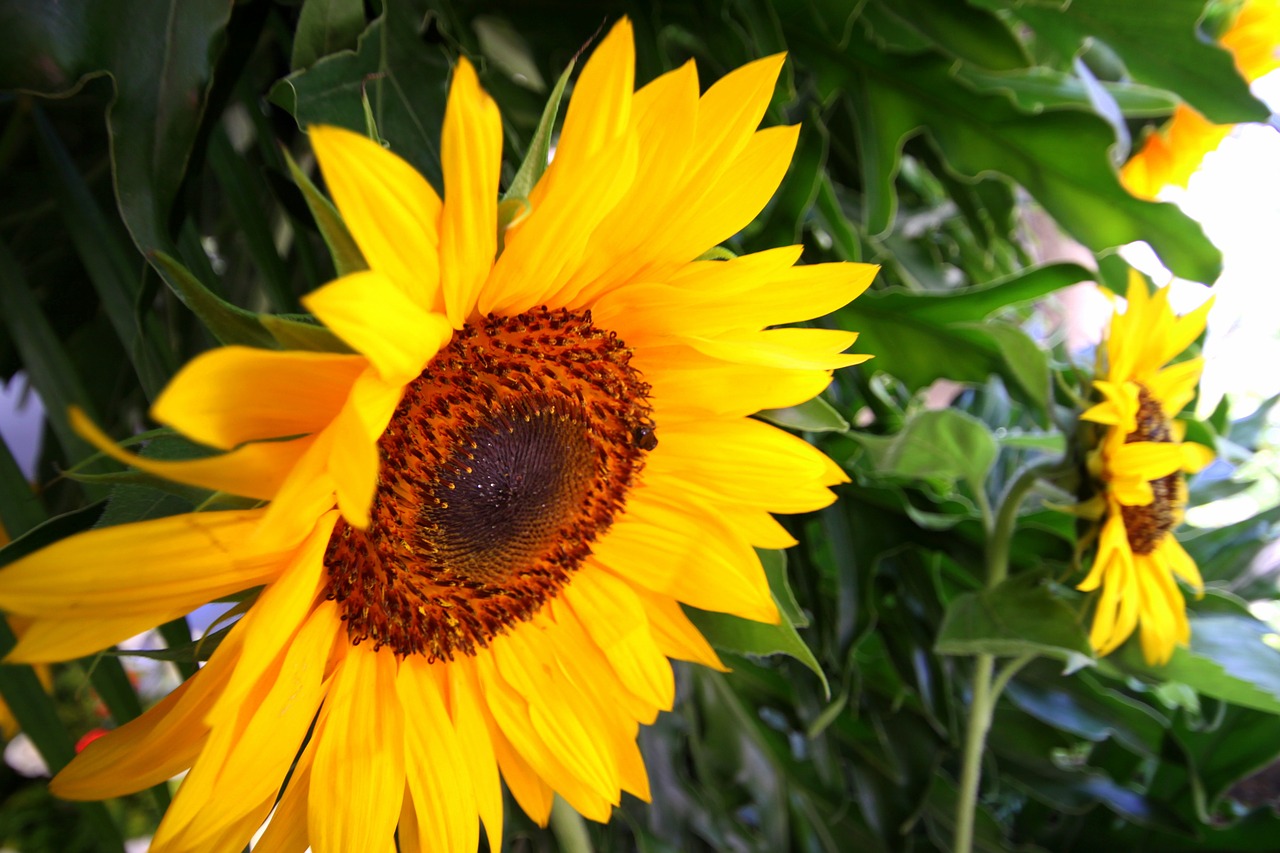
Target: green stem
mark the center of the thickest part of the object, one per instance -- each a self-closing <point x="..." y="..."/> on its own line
<point x="980" y="710"/>
<point x="569" y="828"/>
<point x="984" y="690"/>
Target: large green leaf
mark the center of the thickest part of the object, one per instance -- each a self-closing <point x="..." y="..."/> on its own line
<point x="1061" y="157"/>
<point x="1032" y="90"/>
<point x="325" y="27"/>
<point x="1160" y="44"/>
<point x="971" y="34"/>
<point x="402" y="77"/>
<point x="744" y="637"/>
<point x="920" y="337"/>
<point x="159" y="55"/>
<point x="939" y="446"/>
<point x="1227" y="660"/>
<point x="1020" y="616"/>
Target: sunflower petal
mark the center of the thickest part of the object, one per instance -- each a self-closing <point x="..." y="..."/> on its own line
<point x="358" y="778"/>
<point x="231" y="395"/>
<point x="471" y="155"/>
<point x="436" y="768"/>
<point x="376" y="318"/>
<point x="391" y="211"/>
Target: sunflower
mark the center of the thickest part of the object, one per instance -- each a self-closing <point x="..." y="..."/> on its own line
<point x="1170" y="155"/>
<point x="1140" y="462"/>
<point x="476" y="528"/>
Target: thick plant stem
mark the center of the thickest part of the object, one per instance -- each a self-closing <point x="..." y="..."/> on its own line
<point x="980" y="708"/>
<point x="983" y="694"/>
<point x="569" y="828"/>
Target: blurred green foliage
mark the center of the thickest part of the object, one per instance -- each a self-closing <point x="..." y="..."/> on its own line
<point x="145" y="165"/>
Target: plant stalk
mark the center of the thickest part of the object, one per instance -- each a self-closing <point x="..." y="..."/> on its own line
<point x="999" y="527"/>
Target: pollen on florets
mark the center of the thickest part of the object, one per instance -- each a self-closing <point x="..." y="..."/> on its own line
<point x="505" y="460"/>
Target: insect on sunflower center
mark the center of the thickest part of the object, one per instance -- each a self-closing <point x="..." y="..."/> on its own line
<point x="1147" y="525"/>
<point x="505" y="460"/>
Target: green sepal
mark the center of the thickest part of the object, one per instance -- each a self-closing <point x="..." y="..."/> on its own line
<point x="346" y="255"/>
<point x="301" y="332"/>
<point x="538" y="156"/>
<point x="370" y="123"/>
<point x="228" y="323"/>
<point x="716" y="253"/>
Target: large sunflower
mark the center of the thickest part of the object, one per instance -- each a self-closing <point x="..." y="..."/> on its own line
<point x="1140" y="462"/>
<point x="481" y="524"/>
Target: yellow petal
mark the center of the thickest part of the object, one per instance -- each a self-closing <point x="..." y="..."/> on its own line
<point x="747" y="461"/>
<point x="154" y="566"/>
<point x="358" y="779"/>
<point x="688" y="554"/>
<point x="435" y="766"/>
<point x="287" y="831"/>
<point x="156" y="746"/>
<point x="690" y="384"/>
<point x="794" y="349"/>
<point x="276" y="616"/>
<point x="252" y="470"/>
<point x="248" y="755"/>
<point x="1146" y="459"/>
<point x="378" y="320"/>
<point x="675" y="634"/>
<point x="231" y="395"/>
<point x="601" y="104"/>
<point x="473" y="738"/>
<point x="390" y="210"/>
<point x="615" y="618"/>
<point x="1175" y="386"/>
<point x="471" y="156"/>
<point x="353" y="454"/>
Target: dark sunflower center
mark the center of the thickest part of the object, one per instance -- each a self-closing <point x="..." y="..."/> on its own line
<point x="506" y="459"/>
<point x="1147" y="525"/>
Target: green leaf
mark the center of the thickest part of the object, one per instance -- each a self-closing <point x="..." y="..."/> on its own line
<point x="402" y="76"/>
<point x="1020" y="616"/>
<point x="109" y="258"/>
<point x="1034" y="90"/>
<point x="744" y="637"/>
<point x="816" y="415"/>
<point x="938" y="446"/>
<point x="346" y="255"/>
<point x="1061" y="157"/>
<point x="228" y="323"/>
<point x="921" y="337"/>
<point x="46" y="362"/>
<point x="246" y="197"/>
<point x="1227" y="660"/>
<point x="1160" y="44"/>
<point x="20" y="508"/>
<point x="159" y="55"/>
<point x="775" y="569"/>
<point x="965" y="32"/>
<point x="325" y="27"/>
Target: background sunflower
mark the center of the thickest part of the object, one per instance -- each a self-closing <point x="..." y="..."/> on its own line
<point x="913" y="696"/>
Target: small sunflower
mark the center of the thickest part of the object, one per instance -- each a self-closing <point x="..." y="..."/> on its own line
<point x="479" y="526"/>
<point x="1170" y="155"/>
<point x="1140" y="462"/>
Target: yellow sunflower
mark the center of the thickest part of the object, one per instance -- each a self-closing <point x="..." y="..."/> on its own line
<point x="1140" y="462"/>
<point x="1170" y="155"/>
<point x="481" y="524"/>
